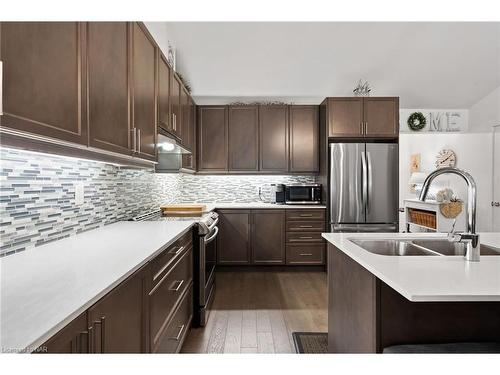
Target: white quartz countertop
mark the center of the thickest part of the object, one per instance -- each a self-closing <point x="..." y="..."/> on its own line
<point x="258" y="205"/>
<point x="428" y="278"/>
<point x="44" y="288"/>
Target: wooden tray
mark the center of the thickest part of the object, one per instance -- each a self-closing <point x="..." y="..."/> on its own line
<point x="183" y="209"/>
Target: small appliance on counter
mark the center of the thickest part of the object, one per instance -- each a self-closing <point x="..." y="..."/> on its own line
<point x="303" y="194"/>
<point x="279" y="192"/>
<point x="274" y="195"/>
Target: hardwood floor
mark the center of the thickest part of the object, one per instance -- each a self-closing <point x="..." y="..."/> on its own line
<point x="256" y="312"/>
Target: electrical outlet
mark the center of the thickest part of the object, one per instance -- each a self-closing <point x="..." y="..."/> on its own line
<point x="79" y="193"/>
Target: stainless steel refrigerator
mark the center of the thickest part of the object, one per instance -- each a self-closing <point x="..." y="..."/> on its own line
<point x="363" y="184"/>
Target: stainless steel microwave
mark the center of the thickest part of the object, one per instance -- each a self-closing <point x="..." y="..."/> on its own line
<point x="303" y="194"/>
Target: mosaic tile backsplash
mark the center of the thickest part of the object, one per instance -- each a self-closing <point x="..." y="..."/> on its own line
<point x="37" y="195"/>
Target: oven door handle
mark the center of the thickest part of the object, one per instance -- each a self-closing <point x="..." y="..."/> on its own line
<point x="212" y="237"/>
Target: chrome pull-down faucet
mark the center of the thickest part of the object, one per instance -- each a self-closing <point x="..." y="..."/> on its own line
<point x="470" y="238"/>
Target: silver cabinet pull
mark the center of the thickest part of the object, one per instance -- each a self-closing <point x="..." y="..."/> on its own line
<point x="306" y="215"/>
<point x="179" y="334"/>
<point x="361" y="127"/>
<point x="134" y="139"/>
<point x="1" y="87"/>
<point x="176" y="288"/>
<point x="139" y="140"/>
<point x="305" y="254"/>
<point x="102" y="323"/>
<point x="366" y="127"/>
<point x="305" y="226"/>
<point x="174" y="121"/>
<point x="176" y="250"/>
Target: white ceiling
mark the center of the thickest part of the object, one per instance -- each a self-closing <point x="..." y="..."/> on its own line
<point x="429" y="65"/>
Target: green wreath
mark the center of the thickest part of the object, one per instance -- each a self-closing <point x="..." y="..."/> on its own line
<point x="416" y="121"/>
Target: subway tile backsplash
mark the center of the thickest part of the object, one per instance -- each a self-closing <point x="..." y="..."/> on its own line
<point x="37" y="195"/>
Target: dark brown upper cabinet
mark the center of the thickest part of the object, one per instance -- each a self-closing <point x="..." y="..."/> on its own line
<point x="185" y="133"/>
<point x="243" y="135"/>
<point x="116" y="321"/>
<point x="304" y="138"/>
<point x="370" y="117"/>
<point x="144" y="93"/>
<point x="273" y="134"/>
<point x="164" y="72"/>
<point x="108" y="85"/>
<point x="268" y="237"/>
<point x="381" y="117"/>
<point x="175" y="104"/>
<point x="233" y="241"/>
<point x="212" y="139"/>
<point x="44" y="78"/>
<point x="345" y="117"/>
<point x="189" y="160"/>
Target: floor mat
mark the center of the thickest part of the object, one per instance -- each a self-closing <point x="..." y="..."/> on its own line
<point x="310" y="342"/>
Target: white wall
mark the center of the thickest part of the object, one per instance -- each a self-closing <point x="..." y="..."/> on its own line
<point x="474" y="154"/>
<point x="485" y="113"/>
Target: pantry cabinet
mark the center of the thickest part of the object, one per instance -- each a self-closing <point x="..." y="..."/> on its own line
<point x="44" y="77"/>
<point x="368" y="117"/>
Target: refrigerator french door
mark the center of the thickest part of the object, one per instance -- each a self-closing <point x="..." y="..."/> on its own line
<point x="363" y="183"/>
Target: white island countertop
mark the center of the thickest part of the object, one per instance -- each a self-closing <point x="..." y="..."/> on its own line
<point x="44" y="288"/>
<point x="428" y="278"/>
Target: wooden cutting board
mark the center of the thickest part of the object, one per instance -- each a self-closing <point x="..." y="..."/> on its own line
<point x="183" y="208"/>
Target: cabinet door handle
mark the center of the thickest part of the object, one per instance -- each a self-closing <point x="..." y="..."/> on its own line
<point x="174" y="121"/>
<point x="305" y="226"/>
<point x="179" y="334"/>
<point x="306" y="215"/>
<point x="91" y="339"/>
<point x="179" y="284"/>
<point x="305" y="254"/>
<point x="134" y="139"/>
<point x="366" y="127"/>
<point x="176" y="250"/>
<point x="139" y="140"/>
<point x="305" y="238"/>
<point x="361" y="127"/>
<point x="102" y="323"/>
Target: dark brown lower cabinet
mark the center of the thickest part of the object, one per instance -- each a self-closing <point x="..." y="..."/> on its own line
<point x="74" y="338"/>
<point x="268" y="237"/>
<point x="233" y="241"/>
<point x="116" y="321"/>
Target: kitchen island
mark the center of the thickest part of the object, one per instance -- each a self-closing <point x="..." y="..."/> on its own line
<point x="376" y="301"/>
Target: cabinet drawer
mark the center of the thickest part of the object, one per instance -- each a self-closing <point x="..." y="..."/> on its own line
<point x="161" y="264"/>
<point x="305" y="254"/>
<point x="318" y="215"/>
<point x="298" y="237"/>
<point x="305" y="226"/>
<point x="174" y="333"/>
<point x="165" y="295"/>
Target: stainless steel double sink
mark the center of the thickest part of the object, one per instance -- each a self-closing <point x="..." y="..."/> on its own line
<point x="430" y="247"/>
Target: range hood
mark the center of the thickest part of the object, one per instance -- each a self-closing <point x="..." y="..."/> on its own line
<point x="169" y="153"/>
<point x="169" y="145"/>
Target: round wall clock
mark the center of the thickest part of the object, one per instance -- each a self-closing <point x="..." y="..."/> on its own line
<point x="446" y="158"/>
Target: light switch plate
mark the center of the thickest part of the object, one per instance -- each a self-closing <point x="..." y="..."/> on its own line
<point x="79" y="193"/>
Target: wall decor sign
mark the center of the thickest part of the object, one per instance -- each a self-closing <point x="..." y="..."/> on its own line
<point x="434" y="120"/>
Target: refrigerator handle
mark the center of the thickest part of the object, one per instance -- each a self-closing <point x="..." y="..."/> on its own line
<point x="369" y="173"/>
<point x="364" y="181"/>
